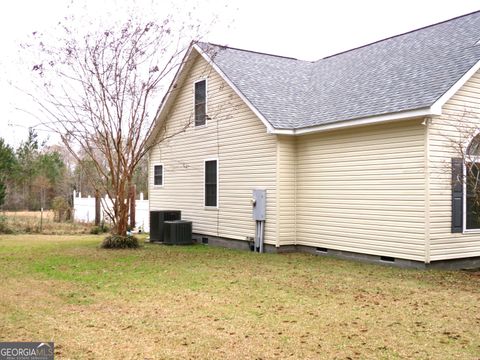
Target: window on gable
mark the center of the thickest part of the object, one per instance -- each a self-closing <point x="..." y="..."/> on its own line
<point x="211" y="186"/>
<point x="158" y="175"/>
<point x="200" y="102"/>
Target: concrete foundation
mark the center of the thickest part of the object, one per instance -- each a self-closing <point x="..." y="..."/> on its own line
<point x="454" y="264"/>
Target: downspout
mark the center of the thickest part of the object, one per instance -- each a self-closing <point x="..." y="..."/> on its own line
<point x="295" y="165"/>
<point x="278" y="191"/>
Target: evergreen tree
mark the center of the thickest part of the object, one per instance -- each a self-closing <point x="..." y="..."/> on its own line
<point x="7" y="163"/>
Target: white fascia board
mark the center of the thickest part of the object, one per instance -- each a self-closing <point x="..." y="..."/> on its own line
<point x="270" y="128"/>
<point x="284" y="132"/>
<point x="174" y="82"/>
<point x="359" y="122"/>
<point x="437" y="106"/>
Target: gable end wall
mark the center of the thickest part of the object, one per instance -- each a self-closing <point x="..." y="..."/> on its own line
<point x="236" y="137"/>
<point x="459" y="122"/>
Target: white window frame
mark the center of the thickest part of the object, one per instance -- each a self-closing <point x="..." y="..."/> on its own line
<point x="163" y="175"/>
<point x="206" y="104"/>
<point x="204" y="183"/>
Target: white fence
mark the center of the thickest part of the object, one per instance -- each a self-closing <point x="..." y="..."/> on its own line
<point x="84" y="210"/>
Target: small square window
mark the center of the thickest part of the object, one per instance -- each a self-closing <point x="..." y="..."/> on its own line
<point x="158" y="175"/>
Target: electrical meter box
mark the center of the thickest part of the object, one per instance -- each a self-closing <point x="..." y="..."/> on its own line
<point x="259" y="204"/>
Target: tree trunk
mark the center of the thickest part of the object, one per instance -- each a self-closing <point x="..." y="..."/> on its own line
<point x="121" y="227"/>
<point x="97" y="207"/>
<point x="122" y="206"/>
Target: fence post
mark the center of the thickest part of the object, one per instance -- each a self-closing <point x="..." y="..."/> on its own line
<point x="97" y="208"/>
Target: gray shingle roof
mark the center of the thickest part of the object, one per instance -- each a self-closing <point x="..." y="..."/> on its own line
<point x="405" y="72"/>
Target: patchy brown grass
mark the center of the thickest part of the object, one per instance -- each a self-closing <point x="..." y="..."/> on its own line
<point x="38" y="223"/>
<point x="200" y="302"/>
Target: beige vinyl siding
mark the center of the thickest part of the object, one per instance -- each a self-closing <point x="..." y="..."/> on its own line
<point x="457" y="125"/>
<point x="362" y="190"/>
<point x="286" y="155"/>
<point x="246" y="160"/>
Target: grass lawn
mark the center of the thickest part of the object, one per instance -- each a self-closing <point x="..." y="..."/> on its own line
<point x="201" y="302"/>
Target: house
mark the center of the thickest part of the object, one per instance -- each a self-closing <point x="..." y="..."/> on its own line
<point x="356" y="151"/>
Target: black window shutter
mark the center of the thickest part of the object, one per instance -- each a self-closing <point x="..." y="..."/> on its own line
<point x="457" y="195"/>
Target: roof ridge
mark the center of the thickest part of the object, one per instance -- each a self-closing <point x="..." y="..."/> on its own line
<point x="252" y="51"/>
<point x="397" y="35"/>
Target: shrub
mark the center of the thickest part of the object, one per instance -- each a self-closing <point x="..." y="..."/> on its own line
<point x="99" y="229"/>
<point x="61" y="209"/>
<point x="95" y="230"/>
<point x="120" y="242"/>
<point x="4" y="227"/>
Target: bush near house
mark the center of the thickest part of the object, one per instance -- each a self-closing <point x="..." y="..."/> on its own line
<point x="120" y="242"/>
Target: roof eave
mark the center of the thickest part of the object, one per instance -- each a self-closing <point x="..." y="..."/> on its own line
<point x="403" y="115"/>
<point x="168" y="97"/>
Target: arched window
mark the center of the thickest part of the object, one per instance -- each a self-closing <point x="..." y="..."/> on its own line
<point x="472" y="185"/>
<point x="474" y="147"/>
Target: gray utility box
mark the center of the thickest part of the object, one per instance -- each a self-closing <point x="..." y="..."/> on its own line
<point x="259" y="203"/>
<point x="178" y="232"/>
<point x="157" y="223"/>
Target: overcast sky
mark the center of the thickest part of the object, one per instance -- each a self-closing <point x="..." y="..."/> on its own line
<point x="303" y="29"/>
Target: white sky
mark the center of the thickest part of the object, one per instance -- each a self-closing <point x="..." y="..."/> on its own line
<point x="304" y="29"/>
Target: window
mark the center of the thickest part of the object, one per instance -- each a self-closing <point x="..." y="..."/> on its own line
<point x="200" y="102"/>
<point x="472" y="196"/>
<point x="211" y="186"/>
<point x="472" y="185"/>
<point x="158" y="175"/>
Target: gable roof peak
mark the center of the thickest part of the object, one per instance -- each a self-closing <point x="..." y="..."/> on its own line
<point x="208" y="45"/>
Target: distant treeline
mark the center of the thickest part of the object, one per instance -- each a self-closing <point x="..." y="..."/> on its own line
<point x="34" y="174"/>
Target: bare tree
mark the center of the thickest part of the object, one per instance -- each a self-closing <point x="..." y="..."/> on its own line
<point x="99" y="92"/>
